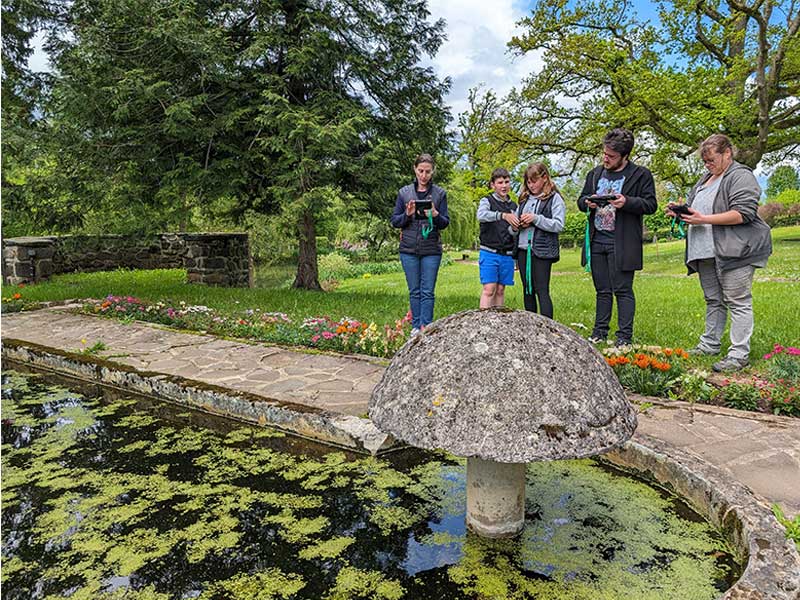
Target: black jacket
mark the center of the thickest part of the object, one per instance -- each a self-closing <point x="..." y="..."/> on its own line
<point x="639" y="190"/>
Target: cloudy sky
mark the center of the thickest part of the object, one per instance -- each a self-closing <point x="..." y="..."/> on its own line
<point x="475" y="51"/>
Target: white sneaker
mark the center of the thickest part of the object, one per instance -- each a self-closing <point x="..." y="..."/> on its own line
<point x="414" y="332"/>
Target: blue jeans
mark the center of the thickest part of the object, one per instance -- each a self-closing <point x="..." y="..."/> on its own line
<point x="421" y="272"/>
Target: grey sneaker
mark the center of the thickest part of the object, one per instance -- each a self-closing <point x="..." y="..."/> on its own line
<point x="729" y="363"/>
<point x="595" y="340"/>
<point x="700" y="351"/>
<point x="414" y="332"/>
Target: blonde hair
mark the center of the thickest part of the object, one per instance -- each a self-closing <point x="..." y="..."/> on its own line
<point x="535" y="171"/>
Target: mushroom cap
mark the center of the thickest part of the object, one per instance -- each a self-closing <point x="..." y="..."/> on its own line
<point x="502" y="385"/>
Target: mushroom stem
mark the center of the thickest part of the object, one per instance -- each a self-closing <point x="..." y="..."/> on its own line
<point x="495" y="497"/>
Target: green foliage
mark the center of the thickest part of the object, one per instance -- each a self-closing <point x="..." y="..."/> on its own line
<point x="215" y="114"/>
<point x="648" y="371"/>
<point x="657" y="225"/>
<point x="787" y="198"/>
<point x="462" y="206"/>
<point x="784" y="178"/>
<point x="792" y="525"/>
<point x="332" y="265"/>
<point x="96" y="348"/>
<point x="693" y="386"/>
<point x="742" y="396"/>
<point x="574" y="229"/>
<point x="783" y="367"/>
<point x="671" y="88"/>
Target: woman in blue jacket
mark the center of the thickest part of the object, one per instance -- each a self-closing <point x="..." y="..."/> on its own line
<point x="420" y="241"/>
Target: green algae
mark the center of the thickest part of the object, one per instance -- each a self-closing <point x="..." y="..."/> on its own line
<point x="266" y="585"/>
<point x="354" y="583"/>
<point x="121" y="496"/>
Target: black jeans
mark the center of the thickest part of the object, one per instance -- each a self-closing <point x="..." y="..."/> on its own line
<point x="610" y="282"/>
<point x="540" y="276"/>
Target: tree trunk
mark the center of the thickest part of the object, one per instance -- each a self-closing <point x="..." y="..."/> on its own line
<point x="307" y="277"/>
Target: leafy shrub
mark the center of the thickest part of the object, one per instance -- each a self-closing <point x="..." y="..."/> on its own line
<point x="658" y="224"/>
<point x="574" y="228"/>
<point x="694" y="387"/>
<point x="741" y="396"/>
<point x="777" y="214"/>
<point x="784" y="399"/>
<point x="783" y="363"/>
<point x="770" y="211"/>
<point x="790" y="217"/>
<point x="788" y="198"/>
<point x="332" y="266"/>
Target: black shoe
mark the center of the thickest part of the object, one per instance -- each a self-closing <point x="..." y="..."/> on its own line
<point x="621" y="343"/>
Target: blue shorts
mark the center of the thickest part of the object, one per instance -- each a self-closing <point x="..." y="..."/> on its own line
<point x="496" y="268"/>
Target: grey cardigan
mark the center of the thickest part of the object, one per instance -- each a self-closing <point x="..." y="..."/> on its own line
<point x="749" y="243"/>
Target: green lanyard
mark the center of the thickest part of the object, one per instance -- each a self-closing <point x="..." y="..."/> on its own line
<point x="427" y="228"/>
<point x="587" y="245"/>
<point x="681" y="234"/>
<point x="528" y="282"/>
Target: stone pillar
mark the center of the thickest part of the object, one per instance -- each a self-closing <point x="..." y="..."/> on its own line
<point x="218" y="259"/>
<point x="495" y="497"/>
<point x="28" y="259"/>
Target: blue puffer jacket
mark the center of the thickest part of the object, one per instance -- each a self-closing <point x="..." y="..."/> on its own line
<point x="411" y="239"/>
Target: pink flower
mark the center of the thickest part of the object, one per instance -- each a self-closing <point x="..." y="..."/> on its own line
<point x="778" y="348"/>
<point x="768" y="356"/>
<point x="314" y="339"/>
<point x="327" y="335"/>
<point x="793" y="351"/>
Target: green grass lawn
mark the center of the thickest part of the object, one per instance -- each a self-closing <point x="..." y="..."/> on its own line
<point x="669" y="310"/>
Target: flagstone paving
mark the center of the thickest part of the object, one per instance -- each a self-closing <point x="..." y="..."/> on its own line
<point x="761" y="451"/>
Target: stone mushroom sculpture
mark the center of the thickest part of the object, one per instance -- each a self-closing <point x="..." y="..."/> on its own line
<point x="502" y="388"/>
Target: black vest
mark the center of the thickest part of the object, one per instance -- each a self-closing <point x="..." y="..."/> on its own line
<point x="495" y="235"/>
<point x="545" y="243"/>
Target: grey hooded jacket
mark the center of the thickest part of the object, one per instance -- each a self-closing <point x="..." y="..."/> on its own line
<point x="749" y="243"/>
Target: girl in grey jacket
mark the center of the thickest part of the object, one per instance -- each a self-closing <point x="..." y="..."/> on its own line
<point x="541" y="215"/>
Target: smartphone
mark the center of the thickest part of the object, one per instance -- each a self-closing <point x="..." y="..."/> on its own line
<point x="601" y="200"/>
<point x="680" y="209"/>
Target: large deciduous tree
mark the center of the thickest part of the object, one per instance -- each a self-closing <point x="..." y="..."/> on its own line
<point x="282" y="105"/>
<point x="703" y="66"/>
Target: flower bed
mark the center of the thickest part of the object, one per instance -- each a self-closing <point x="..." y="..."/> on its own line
<point x="647" y="370"/>
<point x="663" y="372"/>
<point x="342" y="335"/>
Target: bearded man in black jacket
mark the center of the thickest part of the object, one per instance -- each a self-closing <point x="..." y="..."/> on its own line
<point x="614" y="248"/>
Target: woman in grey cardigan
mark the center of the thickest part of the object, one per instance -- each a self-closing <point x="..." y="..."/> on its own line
<point x="726" y="242"/>
<point x="541" y="215"/>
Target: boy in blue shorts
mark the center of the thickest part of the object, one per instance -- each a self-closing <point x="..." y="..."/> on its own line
<point x="496" y="213"/>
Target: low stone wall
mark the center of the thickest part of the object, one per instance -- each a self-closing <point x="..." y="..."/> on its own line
<point x="210" y="258"/>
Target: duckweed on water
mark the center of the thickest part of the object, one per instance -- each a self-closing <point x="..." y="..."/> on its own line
<point x="104" y="500"/>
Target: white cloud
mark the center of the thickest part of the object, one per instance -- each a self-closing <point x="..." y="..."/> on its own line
<point x="476" y="52"/>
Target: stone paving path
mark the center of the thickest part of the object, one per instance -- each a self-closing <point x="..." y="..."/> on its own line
<point x="761" y="451"/>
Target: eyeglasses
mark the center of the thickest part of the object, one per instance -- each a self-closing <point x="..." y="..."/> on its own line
<point x="611" y="155"/>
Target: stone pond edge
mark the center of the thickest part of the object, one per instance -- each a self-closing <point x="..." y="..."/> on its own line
<point x="343" y="431"/>
<point x="773" y="563"/>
